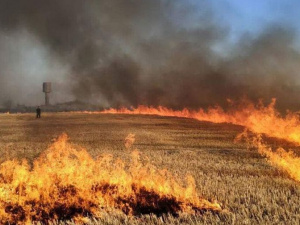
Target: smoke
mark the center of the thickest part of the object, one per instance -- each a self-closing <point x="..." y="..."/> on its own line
<point x="25" y="64"/>
<point x="158" y="52"/>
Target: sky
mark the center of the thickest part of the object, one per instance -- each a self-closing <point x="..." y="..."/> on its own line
<point x="252" y="16"/>
<point x="148" y="51"/>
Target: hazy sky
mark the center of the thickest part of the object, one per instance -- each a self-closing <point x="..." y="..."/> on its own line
<point x="85" y="50"/>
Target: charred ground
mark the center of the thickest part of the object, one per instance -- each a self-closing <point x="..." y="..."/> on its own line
<point x="241" y="180"/>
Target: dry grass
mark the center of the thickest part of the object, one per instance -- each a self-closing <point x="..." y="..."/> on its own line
<point x="244" y="183"/>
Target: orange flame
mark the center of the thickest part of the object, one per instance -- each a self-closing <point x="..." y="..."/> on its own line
<point x="129" y="140"/>
<point x="256" y="117"/>
<point x="282" y="159"/>
<point x="66" y="183"/>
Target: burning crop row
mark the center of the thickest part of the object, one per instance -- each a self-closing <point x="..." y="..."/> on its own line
<point x="256" y="117"/>
<point x="282" y="159"/>
<point x="259" y="119"/>
<point x="66" y="183"/>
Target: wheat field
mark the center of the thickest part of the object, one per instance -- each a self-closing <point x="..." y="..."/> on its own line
<point x="248" y="188"/>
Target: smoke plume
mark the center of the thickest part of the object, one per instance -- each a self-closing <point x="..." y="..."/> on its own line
<point x="158" y="52"/>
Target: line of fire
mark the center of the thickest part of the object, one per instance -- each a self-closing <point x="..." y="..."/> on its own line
<point x="149" y="112"/>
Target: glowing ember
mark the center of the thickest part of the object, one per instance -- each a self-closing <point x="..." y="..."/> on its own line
<point x="257" y="118"/>
<point x="65" y="183"/>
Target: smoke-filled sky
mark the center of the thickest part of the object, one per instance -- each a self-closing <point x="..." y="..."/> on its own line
<point x="176" y="53"/>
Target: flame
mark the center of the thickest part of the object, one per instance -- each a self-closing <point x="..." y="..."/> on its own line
<point x="67" y="183"/>
<point x="280" y="158"/>
<point x="129" y="140"/>
<point x="256" y="117"/>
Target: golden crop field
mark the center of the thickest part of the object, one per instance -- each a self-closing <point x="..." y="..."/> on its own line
<point x="248" y="188"/>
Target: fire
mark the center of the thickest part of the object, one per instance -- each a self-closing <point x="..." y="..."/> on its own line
<point x="67" y="183"/>
<point x="129" y="140"/>
<point x="256" y="117"/>
<point x="280" y="158"/>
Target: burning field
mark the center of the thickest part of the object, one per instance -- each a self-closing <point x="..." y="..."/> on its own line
<point x="65" y="183"/>
<point x="151" y="148"/>
<point x="86" y="168"/>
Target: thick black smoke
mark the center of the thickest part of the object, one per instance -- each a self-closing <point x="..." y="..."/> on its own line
<point x="158" y="52"/>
